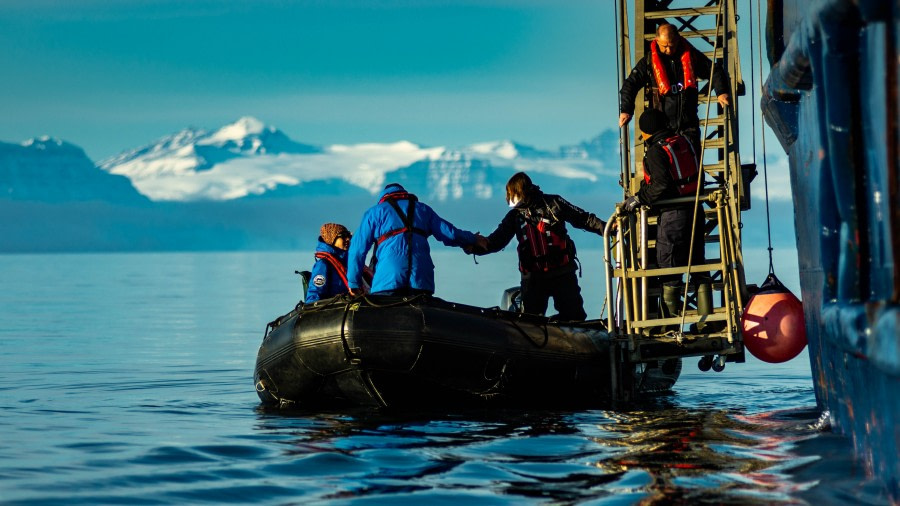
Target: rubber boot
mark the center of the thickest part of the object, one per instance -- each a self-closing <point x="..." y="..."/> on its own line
<point x="704" y="303"/>
<point x="671" y="301"/>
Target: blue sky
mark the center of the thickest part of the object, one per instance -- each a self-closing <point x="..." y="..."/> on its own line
<point x="112" y="75"/>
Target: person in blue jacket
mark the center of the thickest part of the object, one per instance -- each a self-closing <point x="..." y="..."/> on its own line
<point x="398" y="228"/>
<point x="329" y="274"/>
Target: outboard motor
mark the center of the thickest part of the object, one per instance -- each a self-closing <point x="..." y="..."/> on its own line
<point x="511" y="300"/>
<point x="304" y="282"/>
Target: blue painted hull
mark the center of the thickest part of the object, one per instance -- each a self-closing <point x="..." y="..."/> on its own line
<point x="832" y="99"/>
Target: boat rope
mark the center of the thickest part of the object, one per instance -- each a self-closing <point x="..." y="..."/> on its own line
<point x="762" y="140"/>
<point x="709" y="91"/>
<point x="620" y="70"/>
<point x="752" y="87"/>
<point x="408" y="300"/>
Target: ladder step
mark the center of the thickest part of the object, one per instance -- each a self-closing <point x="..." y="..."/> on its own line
<point x="710" y="168"/>
<point x="713" y="264"/>
<point x="688" y="33"/>
<point x="716" y="287"/>
<point x="713" y="120"/>
<point x="701" y="101"/>
<point x="720" y="53"/>
<point x="681" y="13"/>
<point x="719" y="315"/>
<point x="717" y="143"/>
<point x="708" y="239"/>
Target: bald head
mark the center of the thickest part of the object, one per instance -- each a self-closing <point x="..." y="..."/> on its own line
<point x="667" y="39"/>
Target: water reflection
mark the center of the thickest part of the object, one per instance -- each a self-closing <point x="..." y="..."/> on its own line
<point x="653" y="455"/>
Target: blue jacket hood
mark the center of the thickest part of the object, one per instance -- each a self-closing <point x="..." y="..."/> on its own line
<point x="327" y="248"/>
<point x="391" y="188"/>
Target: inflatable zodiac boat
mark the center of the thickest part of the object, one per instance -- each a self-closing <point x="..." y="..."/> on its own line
<point x="421" y="351"/>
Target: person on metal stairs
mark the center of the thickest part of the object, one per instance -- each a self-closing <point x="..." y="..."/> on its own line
<point x="671" y="70"/>
<point x="671" y="171"/>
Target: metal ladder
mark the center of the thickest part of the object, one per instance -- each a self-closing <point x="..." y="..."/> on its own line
<point x="630" y="252"/>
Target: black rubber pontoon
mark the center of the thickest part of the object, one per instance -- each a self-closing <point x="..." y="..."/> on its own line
<point x="419" y="351"/>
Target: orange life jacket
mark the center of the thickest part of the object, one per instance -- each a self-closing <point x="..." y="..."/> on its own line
<point x="682" y="164"/>
<point x="659" y="72"/>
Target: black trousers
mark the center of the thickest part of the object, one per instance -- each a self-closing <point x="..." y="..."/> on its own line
<point x="537" y="290"/>
<point x="673" y="239"/>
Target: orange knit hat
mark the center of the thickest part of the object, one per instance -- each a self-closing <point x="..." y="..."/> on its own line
<point x="331" y="231"/>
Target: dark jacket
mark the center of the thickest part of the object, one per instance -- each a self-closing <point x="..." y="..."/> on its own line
<point x="680" y="108"/>
<point x="392" y="270"/>
<point x="656" y="162"/>
<point x="324" y="280"/>
<point x="539" y="203"/>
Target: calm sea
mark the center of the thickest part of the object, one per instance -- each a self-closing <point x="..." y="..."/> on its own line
<point x="127" y="378"/>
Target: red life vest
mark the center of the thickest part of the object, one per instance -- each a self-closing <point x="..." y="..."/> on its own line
<point x="659" y="72"/>
<point x="337" y="264"/>
<point x="682" y="164"/>
<point x="543" y="242"/>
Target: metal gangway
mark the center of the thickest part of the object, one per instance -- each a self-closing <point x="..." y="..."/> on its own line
<point x="645" y="333"/>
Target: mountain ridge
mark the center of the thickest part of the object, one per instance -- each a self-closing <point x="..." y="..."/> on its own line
<point x="247" y="185"/>
<point x="248" y="158"/>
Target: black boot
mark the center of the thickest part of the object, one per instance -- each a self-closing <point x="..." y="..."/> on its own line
<point x="671" y="301"/>
<point x="704" y="303"/>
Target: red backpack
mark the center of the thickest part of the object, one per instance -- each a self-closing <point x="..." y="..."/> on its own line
<point x="682" y="164"/>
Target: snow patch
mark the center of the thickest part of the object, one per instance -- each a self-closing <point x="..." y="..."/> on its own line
<point x="502" y="149"/>
<point x="245" y="127"/>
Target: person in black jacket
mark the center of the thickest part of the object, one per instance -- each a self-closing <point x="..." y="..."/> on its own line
<point x="546" y="252"/>
<point x="671" y="171"/>
<point x="670" y="72"/>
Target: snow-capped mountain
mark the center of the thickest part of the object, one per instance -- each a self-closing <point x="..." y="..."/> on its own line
<point x="249" y="159"/>
<point x="51" y="170"/>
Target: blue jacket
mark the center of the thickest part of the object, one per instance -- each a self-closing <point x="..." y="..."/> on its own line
<point x="392" y="267"/>
<point x="324" y="280"/>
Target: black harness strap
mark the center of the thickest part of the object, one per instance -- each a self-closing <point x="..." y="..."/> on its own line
<point x="408" y="229"/>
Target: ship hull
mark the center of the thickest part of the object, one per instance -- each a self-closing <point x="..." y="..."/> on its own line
<point x="831" y="99"/>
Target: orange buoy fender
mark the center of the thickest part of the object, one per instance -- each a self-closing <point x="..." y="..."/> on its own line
<point x="773" y="326"/>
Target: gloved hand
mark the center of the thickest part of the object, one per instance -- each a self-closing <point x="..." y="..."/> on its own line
<point x="631" y="203"/>
<point x="479" y="247"/>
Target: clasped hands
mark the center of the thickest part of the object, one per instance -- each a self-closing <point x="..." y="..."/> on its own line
<point x="479" y="247"/>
